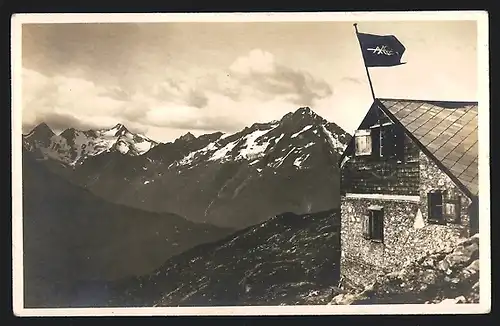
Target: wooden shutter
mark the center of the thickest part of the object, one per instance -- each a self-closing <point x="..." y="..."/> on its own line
<point x="376" y="141"/>
<point x="365" y="227"/>
<point x="452" y="207"/>
<point x="458" y="208"/>
<point x="387" y="146"/>
<point x="399" y="143"/>
<point x="435" y="205"/>
<point x="377" y="224"/>
<point x="363" y="142"/>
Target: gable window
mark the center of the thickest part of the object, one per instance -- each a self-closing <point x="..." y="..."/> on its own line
<point x="373" y="224"/>
<point x="363" y="142"/>
<point x="382" y="140"/>
<point x="443" y="206"/>
<point x="388" y="141"/>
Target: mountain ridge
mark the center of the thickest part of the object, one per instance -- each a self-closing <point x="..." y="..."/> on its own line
<point x="231" y="180"/>
<point x="73" y="146"/>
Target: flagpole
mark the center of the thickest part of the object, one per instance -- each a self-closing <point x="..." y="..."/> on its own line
<point x="364" y="62"/>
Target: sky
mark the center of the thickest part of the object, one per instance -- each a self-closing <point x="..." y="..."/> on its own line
<point x="167" y="79"/>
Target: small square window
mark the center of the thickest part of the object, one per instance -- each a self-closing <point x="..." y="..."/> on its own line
<point x="443" y="206"/>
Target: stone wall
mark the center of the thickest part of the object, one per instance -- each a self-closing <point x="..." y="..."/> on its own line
<point x="432" y="178"/>
<point x="408" y="235"/>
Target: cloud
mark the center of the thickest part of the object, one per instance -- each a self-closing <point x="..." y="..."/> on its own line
<point x="255" y="62"/>
<point x="58" y="121"/>
<point x="351" y="80"/>
<point x="260" y="71"/>
<point x="254" y="87"/>
<point x="197" y="98"/>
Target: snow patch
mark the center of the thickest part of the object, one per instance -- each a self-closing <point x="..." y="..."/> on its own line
<point x="123" y="147"/>
<point x="188" y="159"/>
<point x="298" y="161"/>
<point x="222" y="152"/>
<point x="309" y="145"/>
<point x="280" y="160"/>
<point x="278" y="139"/>
<point x="334" y="142"/>
<point x="306" y="128"/>
<point x="253" y="149"/>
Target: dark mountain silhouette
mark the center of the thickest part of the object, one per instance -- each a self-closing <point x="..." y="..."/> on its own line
<point x="73" y="239"/>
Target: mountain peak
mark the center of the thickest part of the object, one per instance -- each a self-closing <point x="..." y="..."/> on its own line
<point x="302" y="115"/>
<point x="43" y="130"/>
<point x="305" y="110"/>
<point x="119" y="127"/>
<point x="187" y="137"/>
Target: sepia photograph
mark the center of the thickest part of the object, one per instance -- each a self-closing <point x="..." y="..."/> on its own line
<point x="257" y="164"/>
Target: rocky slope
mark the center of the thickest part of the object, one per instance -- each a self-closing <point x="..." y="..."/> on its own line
<point x="289" y="259"/>
<point x="293" y="260"/>
<point x="72" y="147"/>
<point x="441" y="277"/>
<point x="232" y="180"/>
<point x="73" y="238"/>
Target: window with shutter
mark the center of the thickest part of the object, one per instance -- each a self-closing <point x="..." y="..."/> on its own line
<point x="451" y="207"/>
<point x="435" y="206"/>
<point x="373" y="224"/>
<point x="363" y="142"/>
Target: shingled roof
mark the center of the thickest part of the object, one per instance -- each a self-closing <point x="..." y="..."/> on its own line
<point x="446" y="130"/>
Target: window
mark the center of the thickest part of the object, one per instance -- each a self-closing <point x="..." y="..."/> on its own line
<point x="435" y="205"/>
<point x="381" y="140"/>
<point x="373" y="224"/>
<point x="363" y="142"/>
<point x="443" y="206"/>
<point x="451" y="208"/>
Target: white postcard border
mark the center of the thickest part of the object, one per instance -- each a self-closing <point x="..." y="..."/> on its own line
<point x="483" y="99"/>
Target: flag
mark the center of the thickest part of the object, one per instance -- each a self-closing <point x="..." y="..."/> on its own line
<point x="381" y="50"/>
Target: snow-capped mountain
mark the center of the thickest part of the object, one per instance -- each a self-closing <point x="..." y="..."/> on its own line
<point x="278" y="140"/>
<point x="232" y="180"/>
<point x="74" y="146"/>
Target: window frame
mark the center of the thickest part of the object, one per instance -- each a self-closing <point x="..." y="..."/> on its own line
<point x="452" y="198"/>
<point x="430" y="211"/>
<point x="447" y="197"/>
<point x="363" y="133"/>
<point x="372" y="227"/>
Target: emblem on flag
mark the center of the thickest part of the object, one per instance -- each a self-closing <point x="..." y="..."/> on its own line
<point x="381" y="50"/>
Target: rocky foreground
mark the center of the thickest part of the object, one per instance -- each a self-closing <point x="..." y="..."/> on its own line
<point x="441" y="277"/>
<point x="288" y="260"/>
